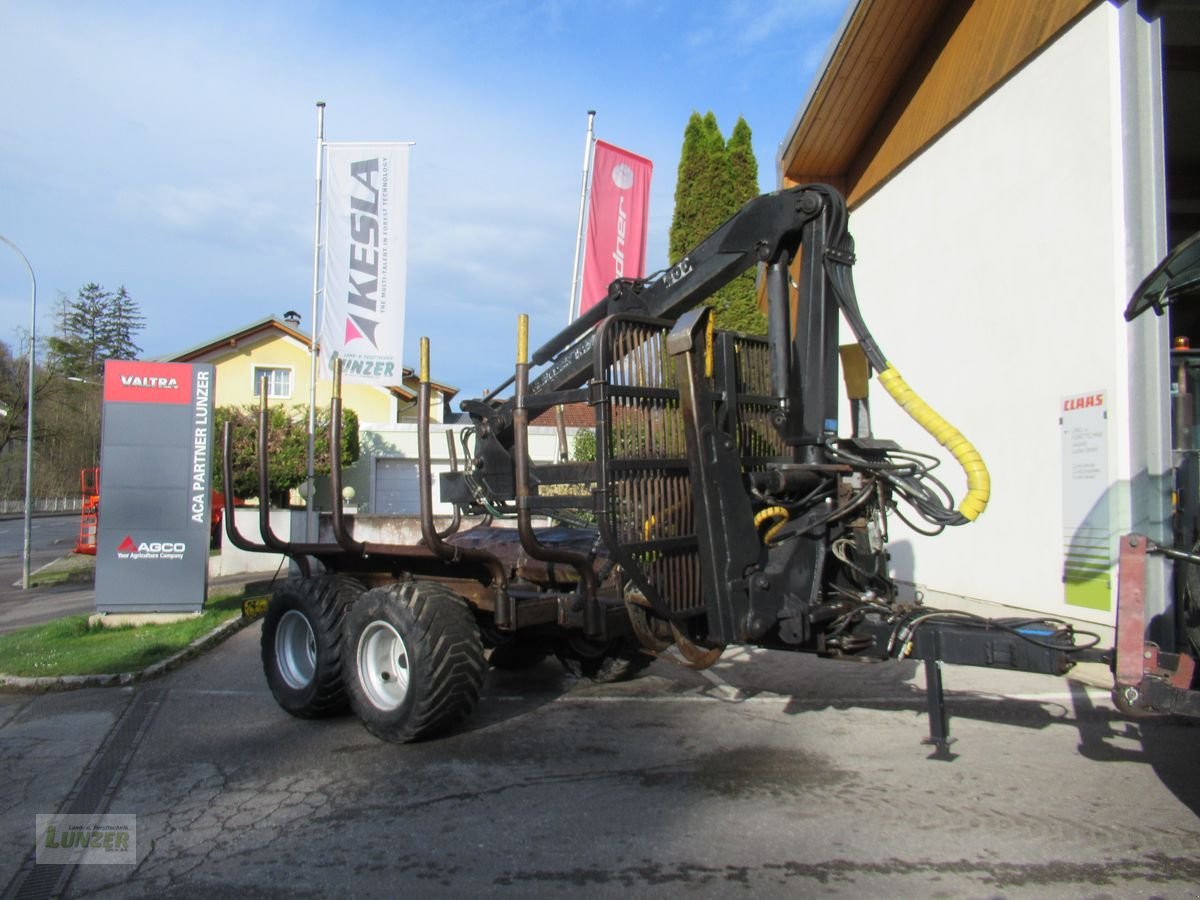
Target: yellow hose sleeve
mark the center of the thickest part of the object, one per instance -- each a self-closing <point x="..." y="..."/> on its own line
<point x="979" y="485"/>
<point x="771" y="512"/>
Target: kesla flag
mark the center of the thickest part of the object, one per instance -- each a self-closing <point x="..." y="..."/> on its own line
<point x="365" y="199"/>
<point x="617" y="216"/>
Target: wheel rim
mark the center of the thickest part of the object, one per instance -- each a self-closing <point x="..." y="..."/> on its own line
<point x="296" y="649"/>
<point x="383" y="665"/>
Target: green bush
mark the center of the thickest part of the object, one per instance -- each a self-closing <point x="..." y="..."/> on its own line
<point x="583" y="446"/>
<point x="287" y="447"/>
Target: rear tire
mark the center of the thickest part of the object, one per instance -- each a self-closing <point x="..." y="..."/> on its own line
<point x="415" y="658"/>
<point x="603" y="663"/>
<point x="1191" y="605"/>
<point x="301" y="644"/>
<point x="512" y="652"/>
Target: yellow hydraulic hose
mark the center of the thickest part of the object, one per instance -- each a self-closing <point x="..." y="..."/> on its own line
<point x="978" y="482"/>
<point x="766" y="515"/>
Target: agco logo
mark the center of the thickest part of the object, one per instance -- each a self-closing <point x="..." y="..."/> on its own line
<point x="131" y="549"/>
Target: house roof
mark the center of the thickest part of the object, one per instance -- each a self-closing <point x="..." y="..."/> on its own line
<point x="233" y="339"/>
<point x="896" y="76"/>
<point x="575" y="415"/>
<point x="271" y="325"/>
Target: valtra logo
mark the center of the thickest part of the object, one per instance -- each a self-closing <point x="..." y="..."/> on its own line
<point x="153" y="384"/>
<point x="131" y="549"/>
<point x="132" y="381"/>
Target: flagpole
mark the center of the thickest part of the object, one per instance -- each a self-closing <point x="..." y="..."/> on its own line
<point x="312" y="340"/>
<point x="588" y="143"/>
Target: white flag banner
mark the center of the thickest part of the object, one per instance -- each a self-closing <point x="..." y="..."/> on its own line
<point x="365" y="199"/>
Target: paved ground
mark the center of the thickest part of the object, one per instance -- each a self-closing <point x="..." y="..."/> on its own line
<point x="772" y="775"/>
<point x="52" y="538"/>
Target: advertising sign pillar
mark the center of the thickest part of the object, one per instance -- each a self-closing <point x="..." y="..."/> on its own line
<point x="155" y="487"/>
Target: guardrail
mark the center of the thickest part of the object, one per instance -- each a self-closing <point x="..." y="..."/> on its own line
<point x="43" y="505"/>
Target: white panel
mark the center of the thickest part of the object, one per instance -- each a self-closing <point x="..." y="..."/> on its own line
<point x="397" y="488"/>
<point x="989" y="272"/>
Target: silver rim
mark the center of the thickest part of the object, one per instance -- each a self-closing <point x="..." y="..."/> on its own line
<point x="383" y="665"/>
<point x="296" y="649"/>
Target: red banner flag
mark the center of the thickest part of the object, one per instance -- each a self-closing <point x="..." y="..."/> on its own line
<point x="618" y="214"/>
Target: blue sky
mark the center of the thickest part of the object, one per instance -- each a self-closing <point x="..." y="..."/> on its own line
<point x="171" y="147"/>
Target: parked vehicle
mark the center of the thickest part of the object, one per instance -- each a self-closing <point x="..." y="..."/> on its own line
<point x="722" y="507"/>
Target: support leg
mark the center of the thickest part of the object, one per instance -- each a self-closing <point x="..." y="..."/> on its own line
<point x="939" y="723"/>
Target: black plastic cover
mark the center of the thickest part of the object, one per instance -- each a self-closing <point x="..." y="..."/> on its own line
<point x="1175" y="276"/>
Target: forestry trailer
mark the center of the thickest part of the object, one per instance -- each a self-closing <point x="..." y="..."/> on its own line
<point x="721" y="508"/>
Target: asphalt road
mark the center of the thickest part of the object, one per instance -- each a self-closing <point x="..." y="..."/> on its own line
<point x="770" y="775"/>
<point x="50" y="538"/>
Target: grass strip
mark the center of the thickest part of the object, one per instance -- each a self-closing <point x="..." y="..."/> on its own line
<point x="74" y="568"/>
<point x="70" y="646"/>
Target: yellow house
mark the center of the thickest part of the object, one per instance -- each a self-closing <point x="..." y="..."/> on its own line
<point x="276" y="350"/>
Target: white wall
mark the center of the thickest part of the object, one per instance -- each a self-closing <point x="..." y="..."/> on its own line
<point x="992" y="273"/>
<point x="232" y="561"/>
<point x="288" y="524"/>
<point x="400" y="442"/>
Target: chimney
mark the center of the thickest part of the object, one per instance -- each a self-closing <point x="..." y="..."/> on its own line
<point x="292" y="318"/>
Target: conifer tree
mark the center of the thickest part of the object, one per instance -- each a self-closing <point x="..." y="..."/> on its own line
<point x="96" y="326"/>
<point x="713" y="183"/>
<point x="124" y="321"/>
<point x="739" y="307"/>
<point x="77" y="348"/>
<point x="688" y="200"/>
<point x="743" y="167"/>
<point x="702" y="199"/>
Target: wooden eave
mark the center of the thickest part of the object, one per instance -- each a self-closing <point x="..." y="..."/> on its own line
<point x="236" y="339"/>
<point x="263" y="330"/>
<point x="445" y="389"/>
<point x="901" y="73"/>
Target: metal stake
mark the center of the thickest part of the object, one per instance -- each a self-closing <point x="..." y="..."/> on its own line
<point x="26" y="552"/>
<point x="312" y="340"/>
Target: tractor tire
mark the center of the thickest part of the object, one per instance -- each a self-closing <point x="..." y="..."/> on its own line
<point x="602" y="663"/>
<point x="1191" y="606"/>
<point x="301" y="644"/>
<point x="517" y="654"/>
<point x="416" y="660"/>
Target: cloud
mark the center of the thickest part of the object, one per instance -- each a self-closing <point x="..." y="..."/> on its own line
<point x="170" y="147"/>
<point x="221" y="215"/>
<point x="748" y="26"/>
<point x="761" y="23"/>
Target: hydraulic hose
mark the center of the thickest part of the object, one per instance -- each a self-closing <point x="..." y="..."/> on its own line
<point x="780" y="513"/>
<point x="839" y="257"/>
<point x="978" y="481"/>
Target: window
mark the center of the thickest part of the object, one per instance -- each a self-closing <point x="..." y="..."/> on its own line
<point x="279" y="382"/>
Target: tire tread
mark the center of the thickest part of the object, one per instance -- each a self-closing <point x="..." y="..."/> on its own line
<point x="444" y="642"/>
<point x="325" y="601"/>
